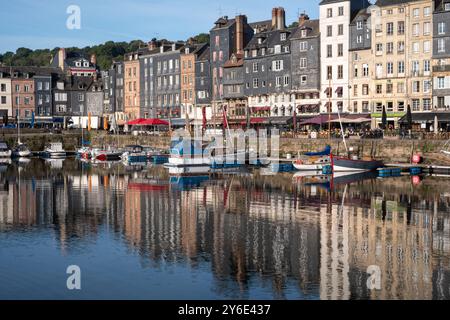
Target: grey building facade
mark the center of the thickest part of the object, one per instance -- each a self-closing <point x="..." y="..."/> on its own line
<point x="441" y="55"/>
<point x="203" y="82"/>
<point x="43" y="92"/>
<point x="305" y="66"/>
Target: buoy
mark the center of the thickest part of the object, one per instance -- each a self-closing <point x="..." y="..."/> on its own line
<point x="417" y="158"/>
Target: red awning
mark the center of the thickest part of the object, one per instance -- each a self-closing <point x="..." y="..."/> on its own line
<point x="147" y="122"/>
<point x="260" y="109"/>
<point x="254" y="121"/>
<point x="135" y="122"/>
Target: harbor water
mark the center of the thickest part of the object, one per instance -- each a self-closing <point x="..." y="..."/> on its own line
<point x="136" y="233"/>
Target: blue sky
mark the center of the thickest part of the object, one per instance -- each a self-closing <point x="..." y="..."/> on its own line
<point x="42" y="24"/>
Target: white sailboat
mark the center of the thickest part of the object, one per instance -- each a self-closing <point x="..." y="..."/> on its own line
<point x="22" y="150"/>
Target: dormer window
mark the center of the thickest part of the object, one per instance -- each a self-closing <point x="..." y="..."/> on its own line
<point x="286" y="49"/>
<point x="254" y="53"/>
<point x="359" y="25"/>
<point x="263" y="51"/>
<point x="260" y="40"/>
<point x="26" y="76"/>
<point x="304" y="33"/>
<point x="283" y="36"/>
<point x="78" y="64"/>
<point x="16" y="74"/>
<point x="86" y="64"/>
<point x="447" y="6"/>
<point x="277" y="49"/>
<point x="246" y="53"/>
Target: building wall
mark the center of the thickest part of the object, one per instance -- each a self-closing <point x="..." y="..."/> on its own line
<point x="23" y="97"/>
<point x="441" y="58"/>
<point x="335" y="62"/>
<point x="43" y="92"/>
<point x="94" y="103"/>
<point x="6" y="96"/>
<point x="188" y="90"/>
<point x="132" y="86"/>
<point x="360" y="91"/>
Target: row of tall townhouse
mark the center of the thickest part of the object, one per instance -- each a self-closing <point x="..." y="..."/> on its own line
<point x="356" y="58"/>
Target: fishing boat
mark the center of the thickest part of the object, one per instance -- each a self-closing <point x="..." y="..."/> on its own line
<point x="313" y="161"/>
<point x="84" y="153"/>
<point x="106" y="155"/>
<point x="134" y="154"/>
<point x="54" y="150"/>
<point x="21" y="151"/>
<point x="5" y="151"/>
<point x="191" y="162"/>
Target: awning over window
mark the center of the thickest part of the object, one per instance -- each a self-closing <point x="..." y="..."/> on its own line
<point x="427" y="117"/>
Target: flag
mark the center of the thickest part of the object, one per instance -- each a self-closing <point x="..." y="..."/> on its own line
<point x="204" y="117"/>
<point x="89" y="121"/>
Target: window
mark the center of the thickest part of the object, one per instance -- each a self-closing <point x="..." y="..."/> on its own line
<point x="26" y="88"/>
<point x="441" y="83"/>
<point x="416" y="29"/>
<point x="401" y="28"/>
<point x="3" y="87"/>
<point x="255" y="83"/>
<point x="416" y="105"/>
<point x="303" y="46"/>
<point x="355" y="90"/>
<point x="426" y="28"/>
<point x="390" y="48"/>
<point x="390" y="68"/>
<point x="441" y="28"/>
<point x="340" y="50"/>
<point x="359" y="39"/>
<point x="426" y="46"/>
<point x="401" y="67"/>
<point x="340" y="30"/>
<point x="416" y="86"/>
<point x="401" y="87"/>
<point x="447" y="6"/>
<point x="3" y="100"/>
<point x="39" y="85"/>
<point x="379" y="88"/>
<point x="255" y="67"/>
<point x="427" y="11"/>
<point x="441" y="45"/>
<point x="303" y="79"/>
<point x="277" y="49"/>
<point x="341" y="11"/>
<point x="427" y="66"/>
<point x="426" y="86"/>
<point x="286" y="81"/>
<point x="340" y="72"/>
<point x="80" y="97"/>
<point x="365" y="89"/>
<point x="390" y="28"/>
<point x="278" y="81"/>
<point x="283" y="36"/>
<point x="379" y="47"/>
<point x="355" y="72"/>
<point x="329" y="72"/>
<point x="416" y="12"/>
<point x="359" y="25"/>
<point x="365" y="70"/>
<point x="277" y="65"/>
<point x="329" y="13"/>
<point x="329" y="51"/>
<point x="401" y="47"/>
<point x="416" y="47"/>
<point x="401" y="10"/>
<point x="329" y="31"/>
<point x="415" y="66"/>
<point x="303" y="63"/>
<point x="389" y="88"/>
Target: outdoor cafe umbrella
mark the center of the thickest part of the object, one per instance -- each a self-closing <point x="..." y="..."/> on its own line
<point x="409" y="118"/>
<point x="384" y="119"/>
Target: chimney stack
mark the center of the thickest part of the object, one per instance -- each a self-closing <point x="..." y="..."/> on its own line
<point x="152" y="45"/>
<point x="61" y="58"/>
<point x="240" y="21"/>
<point x="303" y="17"/>
<point x="274" y="18"/>
<point x="94" y="59"/>
<point x="281" y="19"/>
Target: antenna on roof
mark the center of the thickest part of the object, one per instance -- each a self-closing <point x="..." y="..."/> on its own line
<point x="220" y="10"/>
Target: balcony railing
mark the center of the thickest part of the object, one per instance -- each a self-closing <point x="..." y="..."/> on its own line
<point x="445" y="68"/>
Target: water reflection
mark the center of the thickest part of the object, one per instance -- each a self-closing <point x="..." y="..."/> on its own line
<point x="255" y="234"/>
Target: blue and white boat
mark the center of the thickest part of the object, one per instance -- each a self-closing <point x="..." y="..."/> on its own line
<point x="54" y="151"/>
<point x="188" y="158"/>
<point x="134" y="154"/>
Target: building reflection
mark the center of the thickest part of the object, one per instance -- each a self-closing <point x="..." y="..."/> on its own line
<point x="253" y="230"/>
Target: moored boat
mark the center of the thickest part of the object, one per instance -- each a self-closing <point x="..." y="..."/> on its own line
<point x="21" y="151"/>
<point x="134" y="154"/>
<point x="188" y="162"/>
<point x="313" y="161"/>
<point x="5" y="151"/>
<point x="106" y="155"/>
<point x="54" y="150"/>
<point x="344" y="164"/>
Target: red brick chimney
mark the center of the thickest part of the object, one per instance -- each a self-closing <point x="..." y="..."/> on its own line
<point x="281" y="19"/>
<point x="240" y="21"/>
<point x="301" y="20"/>
<point x="274" y="18"/>
<point x="94" y="59"/>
